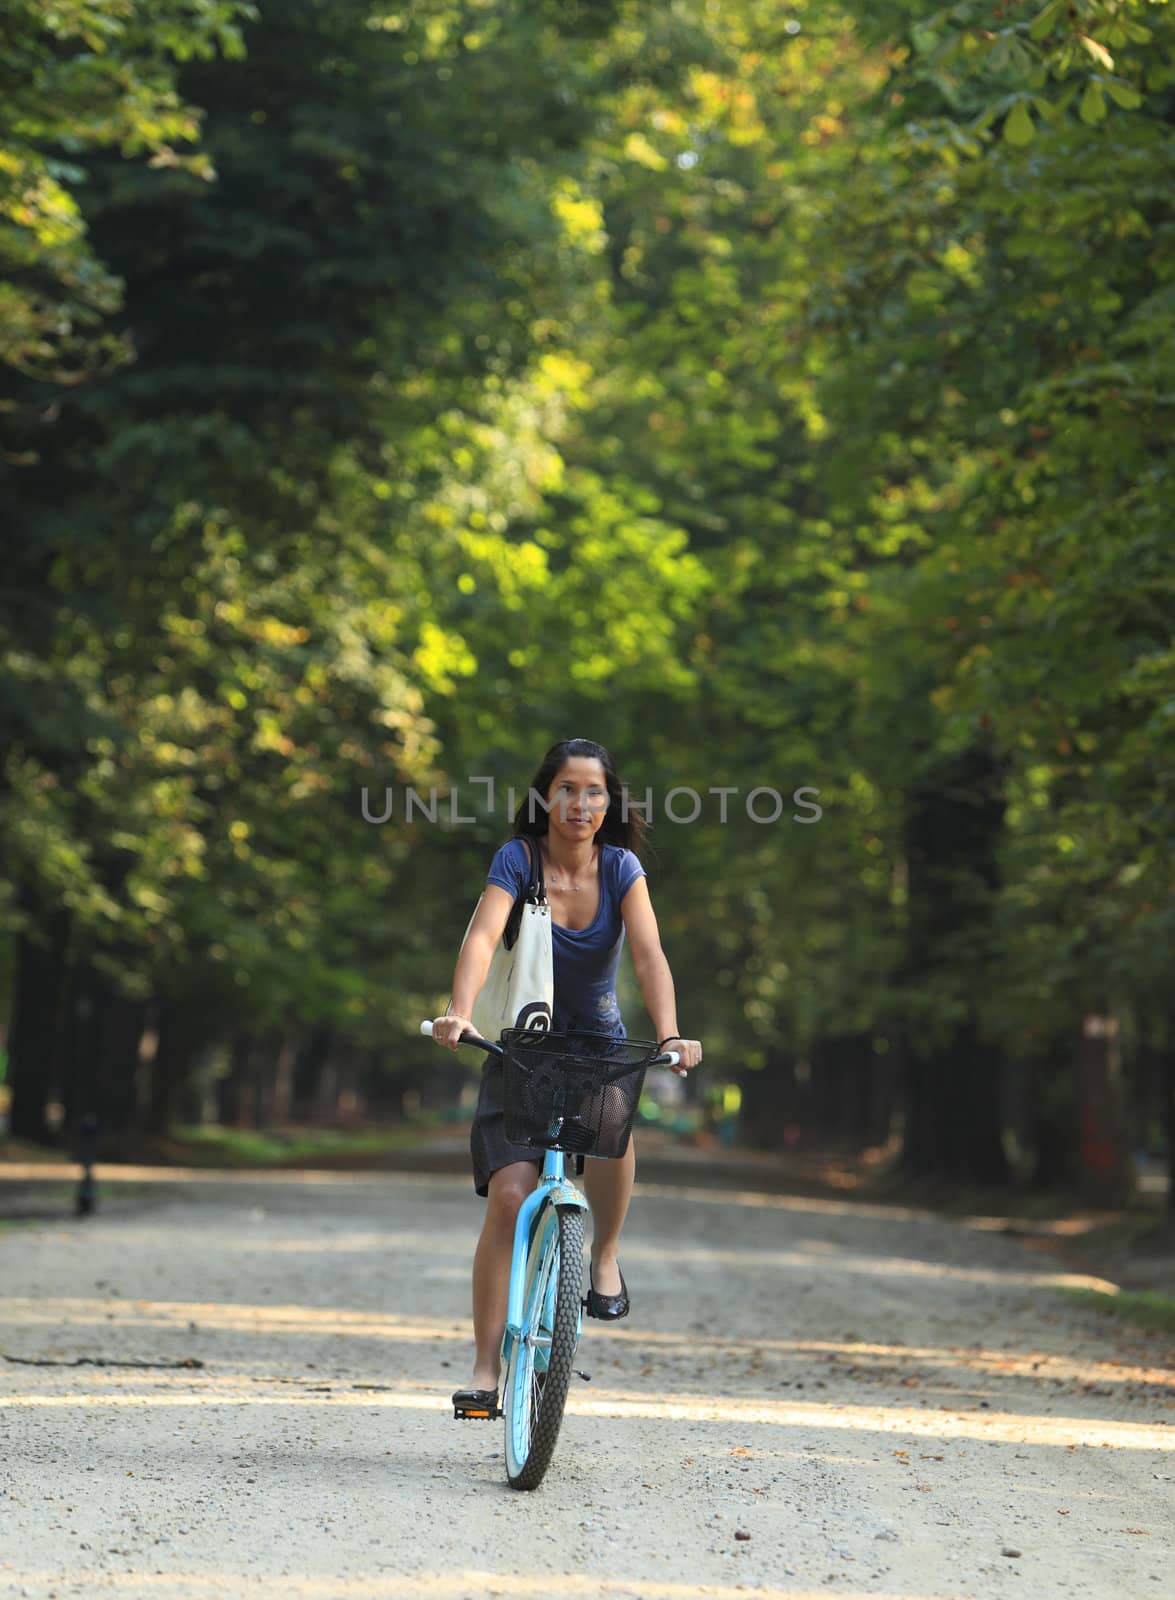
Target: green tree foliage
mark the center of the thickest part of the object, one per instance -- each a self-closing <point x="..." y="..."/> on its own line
<point x="81" y="75"/>
<point x="1019" y="298"/>
<point x="875" y="368"/>
<point x="250" y="548"/>
<point x="780" y="394"/>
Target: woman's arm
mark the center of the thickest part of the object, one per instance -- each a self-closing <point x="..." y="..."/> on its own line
<point x="652" y="971"/>
<point x="473" y="963"/>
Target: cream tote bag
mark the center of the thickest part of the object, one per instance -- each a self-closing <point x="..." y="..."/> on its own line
<point x="519" y="990"/>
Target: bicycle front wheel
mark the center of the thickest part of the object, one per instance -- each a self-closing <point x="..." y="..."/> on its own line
<point x="539" y="1370"/>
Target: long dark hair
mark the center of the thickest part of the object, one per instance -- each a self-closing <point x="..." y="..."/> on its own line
<point x="531" y="819"/>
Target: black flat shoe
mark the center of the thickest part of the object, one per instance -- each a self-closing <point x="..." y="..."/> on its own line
<point x="476" y="1404"/>
<point x="608" y="1307"/>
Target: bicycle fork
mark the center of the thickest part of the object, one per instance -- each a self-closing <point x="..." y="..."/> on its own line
<point x="556" y="1192"/>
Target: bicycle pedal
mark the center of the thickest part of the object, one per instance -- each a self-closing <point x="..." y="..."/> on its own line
<point x="586" y="1376"/>
<point x="476" y="1413"/>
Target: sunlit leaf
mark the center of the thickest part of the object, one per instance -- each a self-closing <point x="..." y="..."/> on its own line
<point x="1019" y="128"/>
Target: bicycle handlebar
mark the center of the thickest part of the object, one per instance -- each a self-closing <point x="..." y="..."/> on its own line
<point x="468" y="1038"/>
<point x="668" y="1058"/>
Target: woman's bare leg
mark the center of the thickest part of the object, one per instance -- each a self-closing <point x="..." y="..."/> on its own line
<point x="508" y="1187"/>
<point x="609" y="1189"/>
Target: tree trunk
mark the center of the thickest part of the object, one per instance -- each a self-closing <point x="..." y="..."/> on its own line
<point x="845" y="1089"/>
<point x="309" y="1067"/>
<point x="769" y="1104"/>
<point x="100" y="1054"/>
<point x="346" y="1095"/>
<point x="1106" y="1170"/>
<point x="1052" y="1114"/>
<point x="1169" y="1111"/>
<point x="283" y="1078"/>
<point x="34" y="1038"/>
<point x="117" y="1067"/>
<point x="178" y="1041"/>
<point x="236" y="1097"/>
<point x="953" y="1102"/>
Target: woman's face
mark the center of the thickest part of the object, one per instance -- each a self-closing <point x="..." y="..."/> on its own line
<point x="578" y="798"/>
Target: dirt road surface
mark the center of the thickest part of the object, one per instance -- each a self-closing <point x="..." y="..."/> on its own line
<point x="810" y="1398"/>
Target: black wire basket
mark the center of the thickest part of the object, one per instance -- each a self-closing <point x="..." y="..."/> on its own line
<point x="572" y="1091"/>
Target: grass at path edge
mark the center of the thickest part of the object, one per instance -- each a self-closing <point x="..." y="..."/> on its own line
<point x="1145" y="1308"/>
<point x="235" y="1148"/>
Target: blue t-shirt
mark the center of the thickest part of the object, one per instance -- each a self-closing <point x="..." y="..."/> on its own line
<point x="584" y="959"/>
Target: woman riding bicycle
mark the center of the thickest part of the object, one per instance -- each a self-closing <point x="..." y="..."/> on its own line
<point x="597" y="892"/>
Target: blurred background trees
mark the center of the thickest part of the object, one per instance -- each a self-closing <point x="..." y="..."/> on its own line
<point x="779" y="394"/>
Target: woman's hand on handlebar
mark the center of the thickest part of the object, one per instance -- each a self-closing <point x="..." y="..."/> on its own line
<point x="689" y="1051"/>
<point x="448" y="1030"/>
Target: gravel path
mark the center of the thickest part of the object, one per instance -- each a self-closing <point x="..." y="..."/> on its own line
<point x="810" y="1398"/>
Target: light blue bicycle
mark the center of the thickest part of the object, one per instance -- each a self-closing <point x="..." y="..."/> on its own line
<point x="564" y="1093"/>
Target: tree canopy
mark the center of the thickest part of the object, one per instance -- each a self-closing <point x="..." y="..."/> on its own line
<point x="780" y="395"/>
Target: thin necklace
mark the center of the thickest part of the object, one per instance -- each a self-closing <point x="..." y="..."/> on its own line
<point x="563" y="888"/>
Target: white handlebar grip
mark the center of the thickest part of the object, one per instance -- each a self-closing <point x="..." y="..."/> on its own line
<point x="674" y="1057"/>
<point x="426" y="1029"/>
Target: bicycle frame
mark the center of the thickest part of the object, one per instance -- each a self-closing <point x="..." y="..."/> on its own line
<point x="554" y="1189"/>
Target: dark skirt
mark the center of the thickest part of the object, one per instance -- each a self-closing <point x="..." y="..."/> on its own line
<point x="488" y="1143"/>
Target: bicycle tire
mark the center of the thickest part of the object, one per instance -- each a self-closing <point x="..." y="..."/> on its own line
<point x="535" y="1398"/>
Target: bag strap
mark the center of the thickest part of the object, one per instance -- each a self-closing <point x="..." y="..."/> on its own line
<point x="536" y="890"/>
<point x="535" y="893"/>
